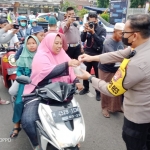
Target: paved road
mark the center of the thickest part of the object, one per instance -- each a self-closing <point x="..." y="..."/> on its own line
<point x="101" y="133"/>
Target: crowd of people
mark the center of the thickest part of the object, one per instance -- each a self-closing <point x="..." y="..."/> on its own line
<point x="121" y="78"/>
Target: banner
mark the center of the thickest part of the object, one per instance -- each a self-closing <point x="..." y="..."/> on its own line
<point x="118" y="11"/>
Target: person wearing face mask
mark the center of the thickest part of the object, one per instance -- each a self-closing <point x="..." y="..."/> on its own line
<point x="22" y="34"/>
<point x="132" y="78"/>
<point x="33" y="23"/>
<point x="95" y="36"/>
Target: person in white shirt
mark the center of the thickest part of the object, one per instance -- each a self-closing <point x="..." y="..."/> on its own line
<point x="31" y="16"/>
<point x="14" y="42"/>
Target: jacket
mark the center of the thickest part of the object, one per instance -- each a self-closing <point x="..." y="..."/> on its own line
<point x="94" y="44"/>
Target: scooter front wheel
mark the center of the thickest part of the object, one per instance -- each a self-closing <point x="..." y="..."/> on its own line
<point x="51" y="147"/>
<point x="72" y="148"/>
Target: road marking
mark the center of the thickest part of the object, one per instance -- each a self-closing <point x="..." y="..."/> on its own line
<point x="90" y="94"/>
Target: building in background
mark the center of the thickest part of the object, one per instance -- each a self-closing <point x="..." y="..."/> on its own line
<point x="118" y="11"/>
<point x="26" y="6"/>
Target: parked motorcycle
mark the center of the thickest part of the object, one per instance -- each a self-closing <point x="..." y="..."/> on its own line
<point x="61" y="125"/>
<point x="8" y="67"/>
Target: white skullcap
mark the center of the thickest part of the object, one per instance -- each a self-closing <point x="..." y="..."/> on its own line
<point x="119" y="26"/>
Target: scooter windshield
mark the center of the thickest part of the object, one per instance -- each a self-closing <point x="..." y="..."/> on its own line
<point x="59" y="91"/>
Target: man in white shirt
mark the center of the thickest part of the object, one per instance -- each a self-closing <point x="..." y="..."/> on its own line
<point x="31" y="16"/>
<point x="14" y="42"/>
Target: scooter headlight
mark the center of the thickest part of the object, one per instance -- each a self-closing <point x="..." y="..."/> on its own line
<point x="11" y="60"/>
<point x="48" y="117"/>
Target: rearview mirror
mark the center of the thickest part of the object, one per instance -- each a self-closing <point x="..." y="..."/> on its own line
<point x="23" y="79"/>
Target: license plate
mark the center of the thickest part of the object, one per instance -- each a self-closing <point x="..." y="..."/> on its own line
<point x="11" y="71"/>
<point x="66" y="114"/>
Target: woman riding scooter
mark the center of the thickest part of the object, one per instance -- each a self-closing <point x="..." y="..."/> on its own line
<point x="24" y="68"/>
<point x="53" y="64"/>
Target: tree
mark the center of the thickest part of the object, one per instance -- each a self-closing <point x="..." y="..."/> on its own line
<point x="102" y="3"/>
<point x="67" y="4"/>
<point x="136" y="3"/>
<point x="105" y="16"/>
<point x="82" y="12"/>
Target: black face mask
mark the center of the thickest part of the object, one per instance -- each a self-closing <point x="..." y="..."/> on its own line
<point x="95" y="25"/>
<point x="125" y="41"/>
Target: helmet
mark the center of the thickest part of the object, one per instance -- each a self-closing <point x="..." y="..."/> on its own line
<point x="21" y="18"/>
<point x="32" y="20"/>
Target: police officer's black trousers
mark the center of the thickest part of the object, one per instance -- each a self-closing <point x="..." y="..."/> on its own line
<point x="136" y="136"/>
<point x="74" y="52"/>
<point x="89" y="65"/>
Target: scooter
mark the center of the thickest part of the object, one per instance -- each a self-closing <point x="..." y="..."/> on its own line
<point x="8" y="66"/>
<point x="61" y="125"/>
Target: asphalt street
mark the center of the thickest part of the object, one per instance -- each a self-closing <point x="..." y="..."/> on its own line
<point x="101" y="133"/>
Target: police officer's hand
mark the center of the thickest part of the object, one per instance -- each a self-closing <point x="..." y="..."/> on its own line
<point x="79" y="86"/>
<point x="73" y="63"/>
<point x="71" y="19"/>
<point x="85" y="75"/>
<point x="85" y="57"/>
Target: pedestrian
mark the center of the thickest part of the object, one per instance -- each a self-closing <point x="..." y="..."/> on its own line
<point x="95" y="36"/>
<point x="31" y="16"/>
<point x="53" y="29"/>
<point x="107" y="71"/>
<point x="60" y="27"/>
<point x="11" y="17"/>
<point x="55" y="16"/>
<point x="132" y="79"/>
<point x="71" y="31"/>
<point x="23" y="68"/>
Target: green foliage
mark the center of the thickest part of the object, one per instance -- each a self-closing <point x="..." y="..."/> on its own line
<point x="82" y="12"/>
<point x="67" y="4"/>
<point x="136" y="3"/>
<point x="102" y="3"/>
<point x="105" y="16"/>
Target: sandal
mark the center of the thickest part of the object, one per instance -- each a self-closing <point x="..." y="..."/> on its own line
<point x="105" y="113"/>
<point x="4" y="102"/>
<point x="14" y="135"/>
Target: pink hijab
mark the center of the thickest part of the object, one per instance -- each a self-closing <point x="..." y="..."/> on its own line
<point x="45" y="61"/>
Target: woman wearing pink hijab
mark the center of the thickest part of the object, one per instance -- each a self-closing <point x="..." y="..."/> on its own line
<point x="50" y="64"/>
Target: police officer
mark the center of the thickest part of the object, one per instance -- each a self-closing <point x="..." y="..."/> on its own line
<point x="132" y="79"/>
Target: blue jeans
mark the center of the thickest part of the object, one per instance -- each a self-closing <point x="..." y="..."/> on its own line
<point x="29" y="116"/>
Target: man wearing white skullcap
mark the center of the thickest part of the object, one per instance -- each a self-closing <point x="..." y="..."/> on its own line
<point x="107" y="71"/>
